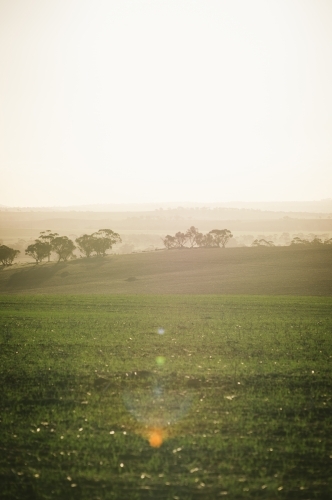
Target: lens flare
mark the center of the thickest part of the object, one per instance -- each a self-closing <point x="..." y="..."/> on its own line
<point x="160" y="360"/>
<point x="156" y="437"/>
<point x="157" y="406"/>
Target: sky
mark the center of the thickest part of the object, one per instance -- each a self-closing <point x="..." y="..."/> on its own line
<point x="141" y="101"/>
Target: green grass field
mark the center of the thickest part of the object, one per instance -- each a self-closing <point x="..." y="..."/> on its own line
<point x="238" y="388"/>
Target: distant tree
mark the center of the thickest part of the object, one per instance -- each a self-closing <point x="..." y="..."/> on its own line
<point x="192" y="234"/>
<point x="285" y="238"/>
<point x="7" y="255"/>
<point x="104" y="239"/>
<point x="169" y="241"/>
<point x="262" y="243"/>
<point x="38" y="250"/>
<point x="47" y="237"/>
<point x="180" y="239"/>
<point x="86" y="244"/>
<point x="316" y="241"/>
<point x="63" y="247"/>
<point x="200" y="240"/>
<point x="221" y="236"/>
<point x="208" y="241"/>
<point x="299" y="241"/>
<point x="215" y="238"/>
<point x="20" y="245"/>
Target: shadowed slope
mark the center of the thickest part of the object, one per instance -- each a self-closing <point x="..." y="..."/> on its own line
<point x="266" y="271"/>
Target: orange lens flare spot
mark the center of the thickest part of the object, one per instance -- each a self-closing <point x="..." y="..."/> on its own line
<point x="156" y="438"/>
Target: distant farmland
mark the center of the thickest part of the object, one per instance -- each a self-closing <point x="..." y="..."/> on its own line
<point x="253" y="271"/>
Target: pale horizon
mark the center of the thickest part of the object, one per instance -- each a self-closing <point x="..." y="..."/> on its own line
<point x="134" y="102"/>
<point x="319" y="206"/>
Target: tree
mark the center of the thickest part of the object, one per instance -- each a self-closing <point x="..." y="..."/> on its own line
<point x="221" y="236"/>
<point x="104" y="239"/>
<point x="208" y="241"/>
<point x="285" y="237"/>
<point x="86" y="244"/>
<point x="200" y="239"/>
<point x="180" y="239"/>
<point x="38" y="250"/>
<point x="169" y="242"/>
<point x="63" y="247"/>
<point x="47" y="237"/>
<point x="215" y="238"/>
<point x="299" y="241"/>
<point x="191" y="235"/>
<point x="262" y="243"/>
<point x="7" y="255"/>
<point x="316" y="241"/>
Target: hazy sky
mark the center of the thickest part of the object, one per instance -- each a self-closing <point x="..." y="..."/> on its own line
<point x="110" y="101"/>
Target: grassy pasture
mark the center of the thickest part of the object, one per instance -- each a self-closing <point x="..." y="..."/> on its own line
<point x="245" y="382"/>
<point x="258" y="271"/>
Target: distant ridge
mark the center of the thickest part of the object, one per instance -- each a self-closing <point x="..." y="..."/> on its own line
<point x="313" y="206"/>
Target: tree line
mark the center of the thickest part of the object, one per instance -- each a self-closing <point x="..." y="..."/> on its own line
<point x="314" y="242"/>
<point x="63" y="247"/>
<point x="295" y="241"/>
<point x="262" y="243"/>
<point x="101" y="241"/>
<point x="193" y="238"/>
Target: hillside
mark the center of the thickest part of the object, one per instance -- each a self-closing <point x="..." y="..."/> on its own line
<point x="261" y="271"/>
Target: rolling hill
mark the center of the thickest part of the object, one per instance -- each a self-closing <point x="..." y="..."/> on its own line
<point x="259" y="271"/>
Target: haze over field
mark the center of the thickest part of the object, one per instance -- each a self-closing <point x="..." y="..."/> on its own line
<point x="148" y="101"/>
<point x="165" y="249"/>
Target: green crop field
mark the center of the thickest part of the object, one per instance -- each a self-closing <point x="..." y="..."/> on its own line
<point x="165" y="397"/>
